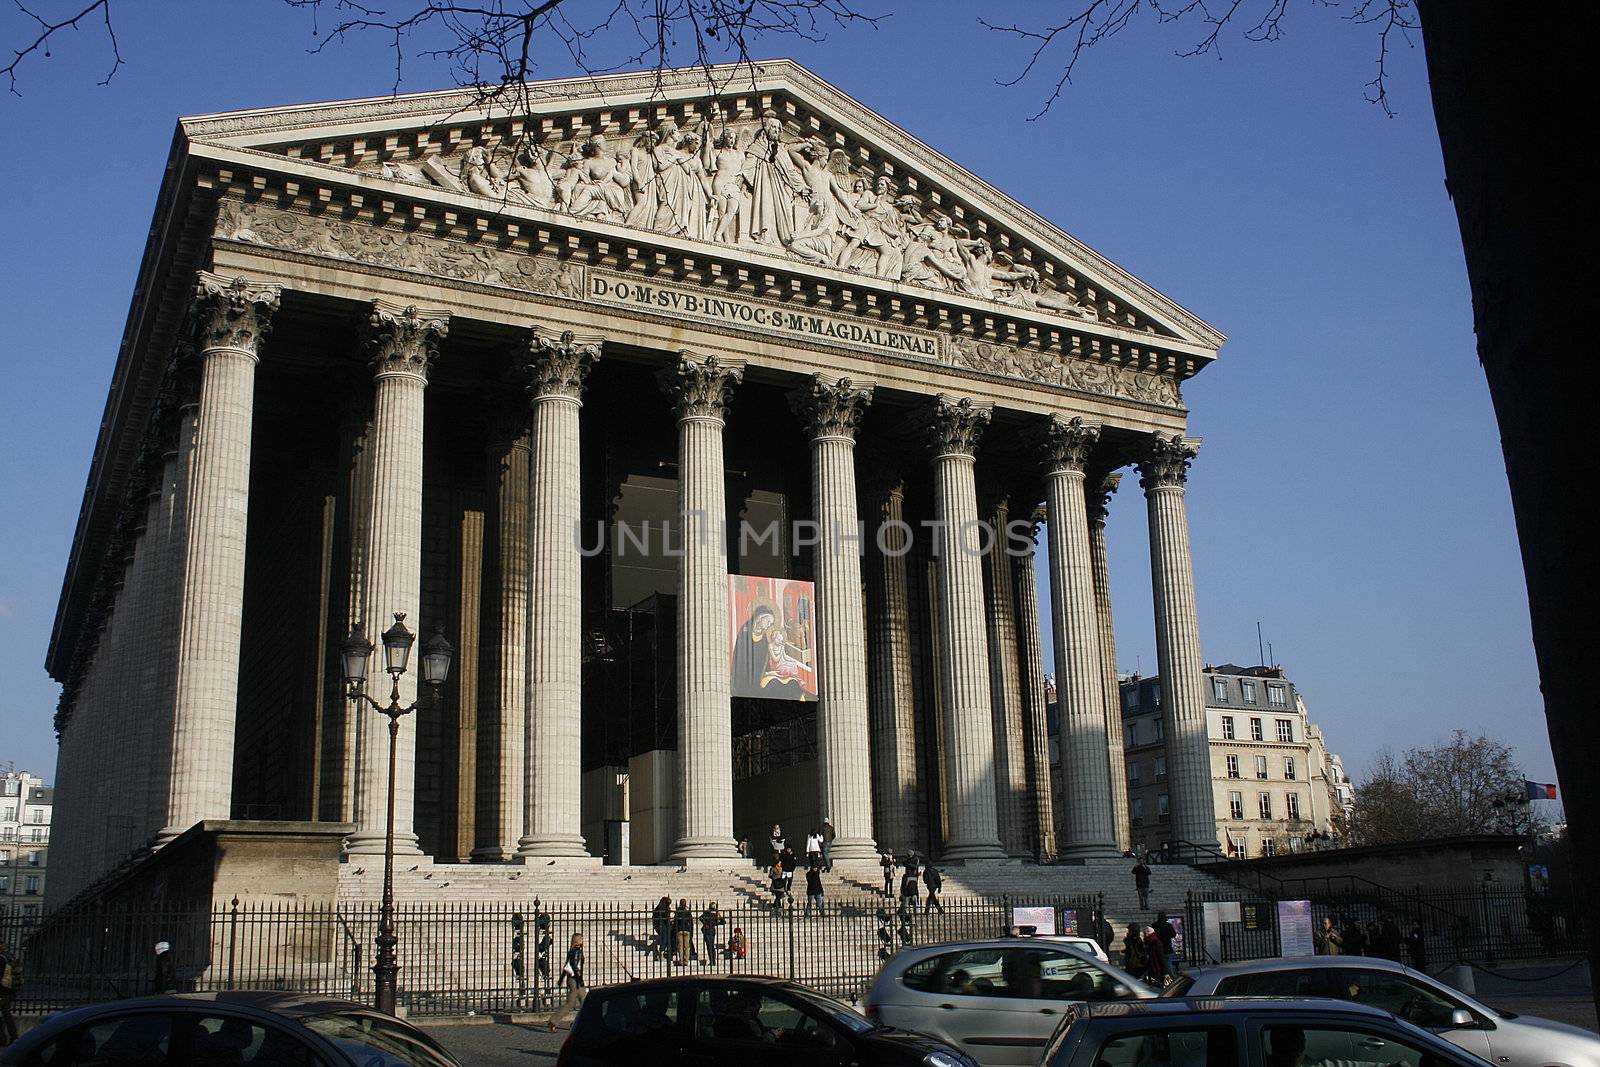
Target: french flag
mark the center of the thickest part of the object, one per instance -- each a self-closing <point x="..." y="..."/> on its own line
<point x="1540" y="790"/>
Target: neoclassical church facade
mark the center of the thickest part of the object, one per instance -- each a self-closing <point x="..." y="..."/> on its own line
<point x="712" y="419"/>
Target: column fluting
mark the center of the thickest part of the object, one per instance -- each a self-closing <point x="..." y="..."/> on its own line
<point x="893" y="690"/>
<point x="402" y="344"/>
<point x="833" y="408"/>
<point x="231" y="317"/>
<point x="968" y="742"/>
<point x="556" y="367"/>
<point x="1098" y="490"/>
<point x="701" y="389"/>
<point x="1086" y="792"/>
<point x="1035" y="722"/>
<point x="1163" y="469"/>
<point x="1005" y="689"/>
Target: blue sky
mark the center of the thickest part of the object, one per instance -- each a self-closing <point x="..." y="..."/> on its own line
<point x="1350" y="494"/>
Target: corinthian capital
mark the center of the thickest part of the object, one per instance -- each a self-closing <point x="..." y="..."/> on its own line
<point x="1166" y="460"/>
<point x="832" y="408"/>
<point x="232" y="313"/>
<point x="1068" y="442"/>
<point x="1097" y="491"/>
<point x="955" y="424"/>
<point x="404" y="339"/>
<point x="556" y="365"/>
<point x="701" y="388"/>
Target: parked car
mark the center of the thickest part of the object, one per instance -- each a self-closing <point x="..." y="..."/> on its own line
<point x="736" y="1022"/>
<point x="998" y="1001"/>
<point x="1211" y="1032"/>
<point x="245" y="1027"/>
<point x="1087" y="944"/>
<point x="1498" y="1036"/>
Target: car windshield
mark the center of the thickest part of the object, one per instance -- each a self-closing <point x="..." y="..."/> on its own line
<point x="842" y="1014"/>
<point x="374" y="1041"/>
<point x="1178" y="986"/>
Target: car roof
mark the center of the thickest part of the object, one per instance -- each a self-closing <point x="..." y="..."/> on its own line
<point x="1225" y="1005"/>
<point x="706" y="979"/>
<point x="248" y="1001"/>
<point x="1283" y="963"/>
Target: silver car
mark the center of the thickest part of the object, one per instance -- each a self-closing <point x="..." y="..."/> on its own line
<point x="998" y="1001"/>
<point x="1497" y="1036"/>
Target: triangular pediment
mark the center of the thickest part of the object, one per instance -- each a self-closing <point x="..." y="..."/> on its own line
<point x="767" y="159"/>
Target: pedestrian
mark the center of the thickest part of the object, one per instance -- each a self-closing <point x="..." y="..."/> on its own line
<point x="827" y="844"/>
<point x="10" y="986"/>
<point x="572" y="978"/>
<point x="166" y="979"/>
<point x="886" y="861"/>
<point x="1166" y="933"/>
<point x="1133" y="960"/>
<point x="738" y="945"/>
<point x="744" y="848"/>
<point x="1328" y="941"/>
<point x="1389" y="934"/>
<point x="682" y="928"/>
<point x="1106" y="934"/>
<point x="935" y="882"/>
<point x="777" y="840"/>
<point x="1155" y="958"/>
<point x="814" y="890"/>
<point x="777" y="883"/>
<point x="1355" y="939"/>
<point x="790" y="865"/>
<point x="1417" y="948"/>
<point x="1141" y="882"/>
<point x="908" y="883"/>
<point x="661" y="924"/>
<point x="814" y="848"/>
<point x="709" y="921"/>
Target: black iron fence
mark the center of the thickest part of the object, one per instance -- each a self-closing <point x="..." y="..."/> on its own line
<point x="1483" y="926"/>
<point x="464" y="957"/>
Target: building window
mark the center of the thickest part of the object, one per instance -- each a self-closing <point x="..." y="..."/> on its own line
<point x="1285" y="729"/>
<point x="36" y="834"/>
<point x="31" y="887"/>
<point x="1255" y="729"/>
<point x="1235" y="805"/>
<point x="1275" y="696"/>
<point x="1289" y="772"/>
<point x="1163" y="806"/>
<point x="1133" y="772"/>
<point x="1293" y="800"/>
<point x="1160" y="729"/>
<point x="1296" y="844"/>
<point x="1133" y="734"/>
<point x="1233" y="766"/>
<point x="8" y="814"/>
<point x="1227" y="728"/>
<point x="1269" y="847"/>
<point x="1247" y="689"/>
<point x="1161" y="767"/>
<point x="1264" y="802"/>
<point x="1236" y="844"/>
<point x="1261" y="767"/>
<point x="1155" y="694"/>
<point x="1136" y="811"/>
<point x="1130" y="697"/>
<point x="1219" y="690"/>
<point x="5" y="883"/>
<point x="33" y="858"/>
<point x="5" y="855"/>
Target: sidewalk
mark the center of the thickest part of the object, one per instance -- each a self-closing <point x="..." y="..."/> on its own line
<point x="1559" y="989"/>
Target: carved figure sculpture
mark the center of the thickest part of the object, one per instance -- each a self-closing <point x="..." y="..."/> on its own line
<point x="530" y="181"/>
<point x="1028" y="294"/>
<point x="982" y="276"/>
<point x="934" y="258"/>
<point x="827" y="200"/>
<point x="774" y="183"/>
<point x="477" y="173"/>
<point x="596" y="186"/>
<point x="730" y="200"/>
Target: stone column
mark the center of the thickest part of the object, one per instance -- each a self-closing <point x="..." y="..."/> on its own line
<point x="1163" y="470"/>
<point x="556" y="367"/>
<point x="1080" y="679"/>
<point x="230" y="318"/>
<point x="1098" y="490"/>
<point x="893" y="695"/>
<point x="1005" y="690"/>
<point x="968" y="743"/>
<point x="1035" y="723"/>
<point x="503" y="767"/>
<point x="700" y="389"/>
<point x="402" y="343"/>
<point x="833" y="408"/>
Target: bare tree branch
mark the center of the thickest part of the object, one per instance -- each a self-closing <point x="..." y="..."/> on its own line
<point x="47" y="32"/>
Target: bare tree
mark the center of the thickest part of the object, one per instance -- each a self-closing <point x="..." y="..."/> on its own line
<point x="1466" y="785"/>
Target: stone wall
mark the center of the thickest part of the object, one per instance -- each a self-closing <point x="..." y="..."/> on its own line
<point x="1446" y="863"/>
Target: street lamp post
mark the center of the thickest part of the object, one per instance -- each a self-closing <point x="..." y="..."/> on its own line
<point x="436" y="657"/>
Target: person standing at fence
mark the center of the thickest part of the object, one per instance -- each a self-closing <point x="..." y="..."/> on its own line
<point x="738" y="944"/>
<point x="1141" y="882"/>
<point x="814" y="889"/>
<point x="10" y="986"/>
<point x="1417" y="948"/>
<point x="908" y="882"/>
<point x="1155" y="958"/>
<point x="886" y="861"/>
<point x="572" y="978"/>
<point x="1166" y="933"/>
<point x="1355" y="939"/>
<point x="166" y="978"/>
<point x="709" y="921"/>
<point x="1328" y="941"/>
<point x="935" y="882"/>
<point x="828" y="835"/>
<point x="661" y="926"/>
<point x="1133" y="952"/>
<point x="682" y="929"/>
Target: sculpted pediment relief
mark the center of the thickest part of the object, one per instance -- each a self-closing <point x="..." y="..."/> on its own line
<point x="781" y="164"/>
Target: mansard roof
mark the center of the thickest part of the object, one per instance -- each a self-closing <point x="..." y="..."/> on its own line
<point x="422" y="140"/>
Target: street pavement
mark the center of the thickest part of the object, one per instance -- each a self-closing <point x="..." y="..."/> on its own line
<point x="489" y="1044"/>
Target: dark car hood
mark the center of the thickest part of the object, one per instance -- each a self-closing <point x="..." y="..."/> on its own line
<point x="890" y="1037"/>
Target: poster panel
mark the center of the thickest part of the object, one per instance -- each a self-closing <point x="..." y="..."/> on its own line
<point x="772" y="628"/>
<point x="1295" y="931"/>
<point x="1043" y="920"/>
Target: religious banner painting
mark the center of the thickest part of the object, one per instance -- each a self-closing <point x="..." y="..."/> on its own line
<point x="773" y="625"/>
